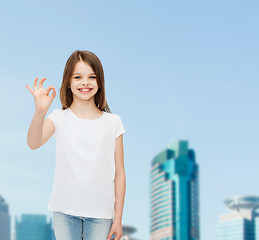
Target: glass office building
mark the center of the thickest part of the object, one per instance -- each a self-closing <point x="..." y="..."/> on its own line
<point x="5" y="220"/>
<point x="242" y="223"/>
<point x="33" y="227"/>
<point x="174" y="190"/>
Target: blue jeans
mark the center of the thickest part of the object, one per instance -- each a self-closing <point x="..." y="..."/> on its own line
<point x="68" y="227"/>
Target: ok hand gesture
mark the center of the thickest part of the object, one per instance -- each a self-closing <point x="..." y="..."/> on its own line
<point x="41" y="95"/>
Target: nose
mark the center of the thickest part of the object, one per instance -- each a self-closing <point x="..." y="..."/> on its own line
<point x="85" y="81"/>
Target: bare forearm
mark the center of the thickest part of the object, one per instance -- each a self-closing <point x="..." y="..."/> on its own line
<point x="120" y="189"/>
<point x="35" y="130"/>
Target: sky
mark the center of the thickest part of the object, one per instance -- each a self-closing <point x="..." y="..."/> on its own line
<point x="174" y="70"/>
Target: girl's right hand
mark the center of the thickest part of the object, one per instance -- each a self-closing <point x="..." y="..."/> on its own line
<point x="41" y="95"/>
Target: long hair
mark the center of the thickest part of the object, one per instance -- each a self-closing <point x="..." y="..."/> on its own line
<point x="66" y="96"/>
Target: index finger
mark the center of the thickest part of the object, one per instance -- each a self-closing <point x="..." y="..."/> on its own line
<point x="41" y="82"/>
<point x="35" y="83"/>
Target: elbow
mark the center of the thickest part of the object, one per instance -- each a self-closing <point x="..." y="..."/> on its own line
<point x="120" y="173"/>
<point x="32" y="147"/>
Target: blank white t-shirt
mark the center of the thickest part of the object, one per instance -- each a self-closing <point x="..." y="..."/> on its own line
<point x="85" y="164"/>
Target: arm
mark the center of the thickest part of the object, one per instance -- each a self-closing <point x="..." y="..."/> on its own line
<point x="39" y="131"/>
<point x="120" y="178"/>
<point x="120" y="187"/>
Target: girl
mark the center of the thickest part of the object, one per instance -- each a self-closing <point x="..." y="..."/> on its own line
<point x="89" y="186"/>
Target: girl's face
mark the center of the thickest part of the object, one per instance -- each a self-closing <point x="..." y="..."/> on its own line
<point x="83" y="82"/>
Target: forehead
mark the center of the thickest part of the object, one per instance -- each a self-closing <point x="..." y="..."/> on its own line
<point x="83" y="68"/>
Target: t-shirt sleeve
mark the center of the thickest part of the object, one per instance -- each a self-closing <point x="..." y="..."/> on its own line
<point x="54" y="116"/>
<point x="119" y="127"/>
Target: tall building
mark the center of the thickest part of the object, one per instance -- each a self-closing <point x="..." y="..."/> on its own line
<point x="174" y="190"/>
<point x="242" y="223"/>
<point x="33" y="227"/>
<point x="5" y="220"/>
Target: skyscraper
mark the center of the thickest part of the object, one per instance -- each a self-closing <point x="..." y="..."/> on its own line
<point x="5" y="220"/>
<point x="33" y="227"/>
<point x="242" y="223"/>
<point x="174" y="193"/>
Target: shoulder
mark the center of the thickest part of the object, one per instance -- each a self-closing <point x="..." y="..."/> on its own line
<point x="56" y="114"/>
<point x="116" y="119"/>
<point x="113" y="116"/>
<point x="118" y="125"/>
<point x="58" y="111"/>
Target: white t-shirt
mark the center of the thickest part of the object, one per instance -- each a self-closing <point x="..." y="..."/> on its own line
<point x="85" y="164"/>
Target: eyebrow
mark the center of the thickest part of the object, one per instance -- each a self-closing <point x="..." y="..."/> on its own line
<point x="80" y="73"/>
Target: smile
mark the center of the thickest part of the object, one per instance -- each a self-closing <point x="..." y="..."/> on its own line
<point x="85" y="90"/>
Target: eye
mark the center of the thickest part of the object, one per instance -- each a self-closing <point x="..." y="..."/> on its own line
<point x="93" y="76"/>
<point x="77" y="77"/>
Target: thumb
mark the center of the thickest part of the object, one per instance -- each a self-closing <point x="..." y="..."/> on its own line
<point x="109" y="235"/>
<point x="53" y="92"/>
<point x="117" y="237"/>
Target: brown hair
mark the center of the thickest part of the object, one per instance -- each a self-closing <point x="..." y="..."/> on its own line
<point x="66" y="96"/>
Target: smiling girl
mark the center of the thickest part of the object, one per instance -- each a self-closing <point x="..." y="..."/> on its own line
<point x="89" y="186"/>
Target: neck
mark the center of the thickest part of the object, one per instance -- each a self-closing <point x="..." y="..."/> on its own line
<point x="84" y="107"/>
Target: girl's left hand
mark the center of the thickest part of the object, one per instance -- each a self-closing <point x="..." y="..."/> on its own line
<point x="117" y="229"/>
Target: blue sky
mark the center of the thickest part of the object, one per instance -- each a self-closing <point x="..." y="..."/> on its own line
<point x="173" y="70"/>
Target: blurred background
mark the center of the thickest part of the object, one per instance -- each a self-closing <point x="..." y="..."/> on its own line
<point x="174" y="71"/>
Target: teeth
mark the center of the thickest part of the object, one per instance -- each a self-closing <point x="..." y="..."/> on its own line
<point x="84" y="90"/>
